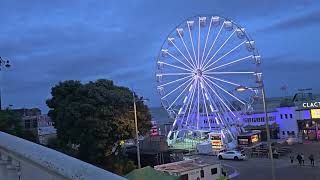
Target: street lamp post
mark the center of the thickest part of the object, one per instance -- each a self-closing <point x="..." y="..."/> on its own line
<point x="136" y="127"/>
<point x="5" y="64"/>
<point x="243" y="88"/>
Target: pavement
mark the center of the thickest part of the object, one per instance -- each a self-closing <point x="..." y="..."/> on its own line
<point x="260" y="169"/>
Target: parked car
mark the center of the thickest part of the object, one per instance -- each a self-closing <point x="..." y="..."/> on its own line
<point x="236" y="155"/>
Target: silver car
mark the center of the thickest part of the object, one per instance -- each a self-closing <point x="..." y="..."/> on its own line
<point x="236" y="155"/>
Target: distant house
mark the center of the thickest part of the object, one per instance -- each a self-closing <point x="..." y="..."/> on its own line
<point x="40" y="124"/>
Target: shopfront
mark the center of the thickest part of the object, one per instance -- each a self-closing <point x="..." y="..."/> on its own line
<point x="249" y="138"/>
<point x="310" y="128"/>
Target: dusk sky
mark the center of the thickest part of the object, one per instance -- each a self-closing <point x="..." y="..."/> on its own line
<point x="52" y="41"/>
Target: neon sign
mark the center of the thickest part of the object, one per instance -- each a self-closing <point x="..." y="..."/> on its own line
<point x="311" y="104"/>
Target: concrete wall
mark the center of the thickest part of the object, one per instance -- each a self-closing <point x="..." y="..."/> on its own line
<point x="24" y="160"/>
<point x="288" y="122"/>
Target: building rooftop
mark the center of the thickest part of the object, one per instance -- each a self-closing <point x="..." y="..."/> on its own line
<point x="182" y="166"/>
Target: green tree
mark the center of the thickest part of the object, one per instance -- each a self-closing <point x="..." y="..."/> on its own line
<point x="94" y="117"/>
<point x="10" y="122"/>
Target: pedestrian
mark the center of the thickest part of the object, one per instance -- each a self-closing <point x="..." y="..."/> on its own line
<point x="299" y="158"/>
<point x="302" y="159"/>
<point x="311" y="157"/>
<point x="291" y="159"/>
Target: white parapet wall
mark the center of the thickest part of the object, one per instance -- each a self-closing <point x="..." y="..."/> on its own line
<point x="23" y="160"/>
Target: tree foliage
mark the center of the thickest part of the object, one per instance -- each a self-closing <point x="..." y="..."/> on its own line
<point x="10" y="122"/>
<point x="94" y="117"/>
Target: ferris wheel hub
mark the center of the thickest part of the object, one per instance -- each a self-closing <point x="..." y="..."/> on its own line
<point x="198" y="73"/>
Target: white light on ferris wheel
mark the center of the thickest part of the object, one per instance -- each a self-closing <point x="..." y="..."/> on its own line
<point x="206" y="96"/>
<point x="222" y="134"/>
<point x="211" y="108"/>
<point x="201" y="85"/>
<point x="217" y="120"/>
<point x="185" y="100"/>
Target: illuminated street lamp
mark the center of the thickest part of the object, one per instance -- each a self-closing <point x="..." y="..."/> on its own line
<point x="5" y="64"/>
<point x="136" y="126"/>
<point x="261" y="87"/>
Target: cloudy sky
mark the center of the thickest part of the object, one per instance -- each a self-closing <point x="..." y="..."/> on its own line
<point x="52" y="41"/>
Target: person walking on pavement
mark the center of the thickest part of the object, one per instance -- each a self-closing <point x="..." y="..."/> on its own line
<point x="299" y="158"/>
<point x="302" y="159"/>
<point x="311" y="157"/>
<point x="291" y="159"/>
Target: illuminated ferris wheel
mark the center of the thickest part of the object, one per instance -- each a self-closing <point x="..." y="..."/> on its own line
<point x="201" y="63"/>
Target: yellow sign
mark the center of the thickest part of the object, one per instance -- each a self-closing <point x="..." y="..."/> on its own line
<point x="315" y="113"/>
<point x="216" y="144"/>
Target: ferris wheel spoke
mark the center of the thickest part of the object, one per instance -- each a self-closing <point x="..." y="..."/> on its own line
<point x="225" y="55"/>
<point x="232" y="62"/>
<point x="215" y="39"/>
<point x="175" y="89"/>
<point x="231" y="72"/>
<point x="219" y="97"/>
<point x="212" y="105"/>
<point x="194" y="52"/>
<point x="180" y="60"/>
<point x="181" y="53"/>
<point x="199" y="33"/>
<point x="185" y="46"/>
<point x="206" y="42"/>
<point x="198" y="115"/>
<point x="191" y="102"/>
<point x="186" y="103"/>
<point x="177" y="80"/>
<point x="222" y="80"/>
<point x="180" y="94"/>
<point x="228" y="102"/>
<point x="218" y="49"/>
<point x="205" y="106"/>
<point x="174" y="74"/>
<point x="178" y="67"/>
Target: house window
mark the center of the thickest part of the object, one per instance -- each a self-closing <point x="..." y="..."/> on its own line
<point x="281" y="116"/>
<point x="291" y="116"/>
<point x="214" y="171"/>
<point x="27" y="124"/>
<point x="34" y="123"/>
<point x="292" y="132"/>
<point x="288" y="132"/>
<point x="283" y="133"/>
<point x="202" y="173"/>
